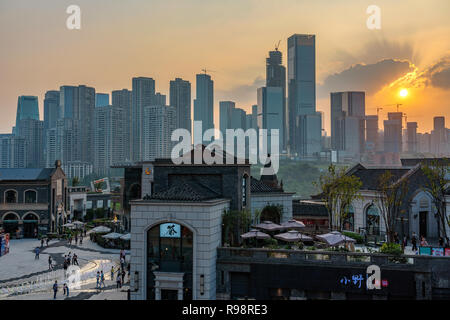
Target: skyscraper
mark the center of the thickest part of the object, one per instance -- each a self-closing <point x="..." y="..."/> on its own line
<point x="33" y="132"/>
<point x="302" y="95"/>
<point x="180" y="99"/>
<point x="101" y="100"/>
<point x="276" y="77"/>
<point x="143" y="95"/>
<point x="204" y="104"/>
<point x="393" y="132"/>
<point x="159" y="122"/>
<point x="51" y="109"/>
<point x="225" y="115"/>
<point x="123" y="99"/>
<point x="270" y="112"/>
<point x="78" y="104"/>
<point x="13" y="151"/>
<point x="372" y="143"/>
<point x="439" y="139"/>
<point x="411" y="136"/>
<point x="27" y="108"/>
<point x="348" y="114"/>
<point x="109" y="138"/>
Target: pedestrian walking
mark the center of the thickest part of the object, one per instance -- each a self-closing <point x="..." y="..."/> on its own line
<point x="36" y="251"/>
<point x="76" y="239"/>
<point x="55" y="289"/>
<point x="42" y="242"/>
<point x="123" y="275"/>
<point x="128" y="270"/>
<point x="98" y="279"/>
<point x="112" y="273"/>
<point x="65" y="266"/>
<point x="50" y="266"/>
<point x="441" y="242"/>
<point x="122" y="262"/>
<point x="414" y="241"/>
<point x="81" y="241"/>
<point x="102" y="279"/>
<point x="75" y="259"/>
<point x="47" y="240"/>
<point x="119" y="284"/>
<point x="64" y="289"/>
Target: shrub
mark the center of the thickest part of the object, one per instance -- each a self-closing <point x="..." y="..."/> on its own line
<point x="359" y="239"/>
<point x="391" y="248"/>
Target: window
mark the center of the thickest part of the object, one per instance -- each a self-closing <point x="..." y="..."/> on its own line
<point x="244" y="191"/>
<point x="348" y="219"/>
<point x="170" y="249"/>
<point x="373" y="220"/>
<point x="30" y="196"/>
<point x="11" y="196"/>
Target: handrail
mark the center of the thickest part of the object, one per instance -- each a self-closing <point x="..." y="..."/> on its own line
<point x="323" y="252"/>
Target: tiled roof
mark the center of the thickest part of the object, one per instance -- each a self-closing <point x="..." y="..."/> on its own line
<point x="257" y="186"/>
<point x="184" y="190"/>
<point x="25" y="174"/>
<point x="370" y="177"/>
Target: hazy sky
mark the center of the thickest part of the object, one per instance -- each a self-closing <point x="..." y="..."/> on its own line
<point x="165" y="39"/>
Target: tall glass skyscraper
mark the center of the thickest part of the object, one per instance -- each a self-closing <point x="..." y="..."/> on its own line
<point x="51" y="109"/>
<point x="276" y="77"/>
<point x="27" y="108"/>
<point x="204" y="104"/>
<point x="302" y="93"/>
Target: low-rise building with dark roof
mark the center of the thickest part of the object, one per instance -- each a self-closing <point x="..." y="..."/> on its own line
<point x="417" y="212"/>
<point x="32" y="201"/>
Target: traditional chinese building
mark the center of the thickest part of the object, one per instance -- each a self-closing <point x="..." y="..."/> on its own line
<point x="33" y="201"/>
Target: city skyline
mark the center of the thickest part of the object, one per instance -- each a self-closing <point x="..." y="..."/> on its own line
<point x="345" y="54"/>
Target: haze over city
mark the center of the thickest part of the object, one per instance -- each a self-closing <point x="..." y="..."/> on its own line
<point x="169" y="39"/>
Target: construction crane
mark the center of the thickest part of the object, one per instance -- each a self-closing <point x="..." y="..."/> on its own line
<point x="378" y="111"/>
<point x="393" y="104"/>
<point x="207" y="70"/>
<point x="277" y="45"/>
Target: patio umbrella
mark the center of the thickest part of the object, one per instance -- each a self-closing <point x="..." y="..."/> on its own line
<point x="112" y="235"/>
<point x="78" y="223"/>
<point x="256" y="234"/>
<point x="293" y="224"/>
<point x="268" y="226"/>
<point x="68" y="225"/>
<point x="293" y="236"/>
<point x="126" y="236"/>
<point x="334" y="238"/>
<point x="101" y="229"/>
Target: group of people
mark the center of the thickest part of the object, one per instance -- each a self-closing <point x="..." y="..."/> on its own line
<point x="65" y="289"/>
<point x="69" y="260"/>
<point x="423" y="242"/>
<point x="117" y="275"/>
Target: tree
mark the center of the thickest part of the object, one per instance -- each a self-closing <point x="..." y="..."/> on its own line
<point x="234" y="223"/>
<point x="98" y="185"/>
<point x="437" y="172"/>
<point x="75" y="181"/>
<point x="339" y="190"/>
<point x="390" y="196"/>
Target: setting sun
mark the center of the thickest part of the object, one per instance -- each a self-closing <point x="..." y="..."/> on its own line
<point x="403" y="93"/>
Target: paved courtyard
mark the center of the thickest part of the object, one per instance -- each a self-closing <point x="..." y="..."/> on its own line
<point x="22" y="277"/>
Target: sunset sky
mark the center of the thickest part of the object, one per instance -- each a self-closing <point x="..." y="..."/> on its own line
<point x="165" y="39"/>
